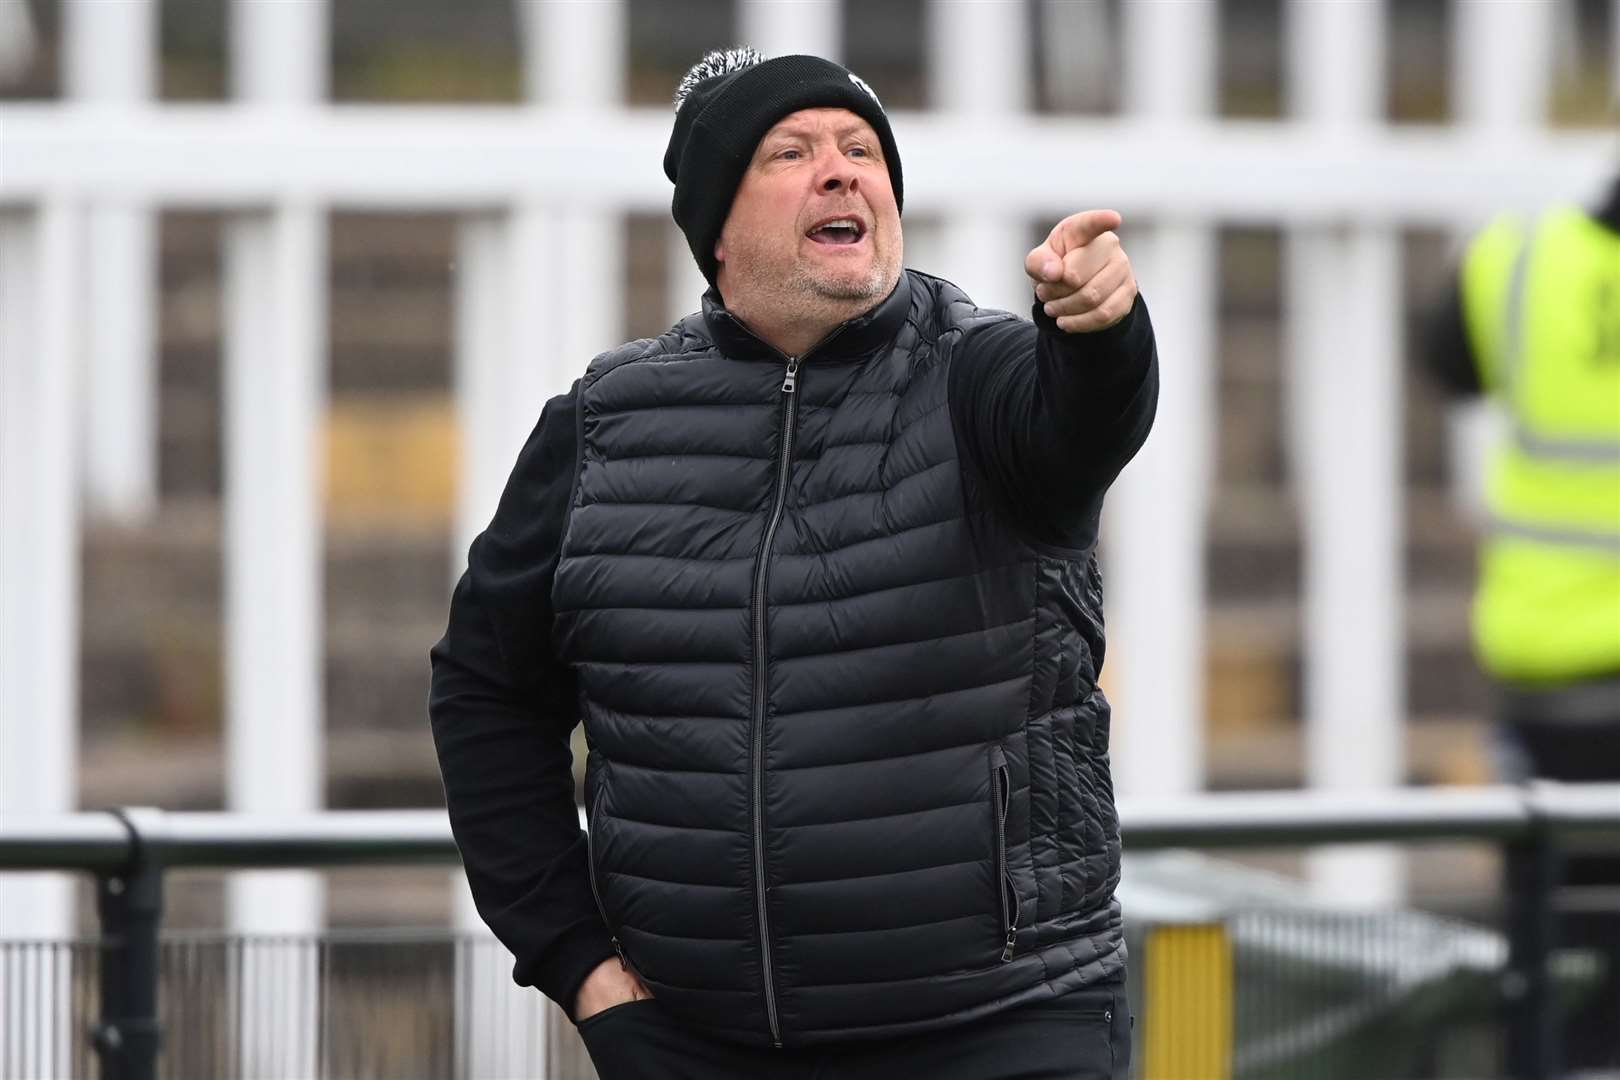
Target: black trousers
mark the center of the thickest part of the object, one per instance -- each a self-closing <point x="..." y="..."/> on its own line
<point x="1083" y="1035"/>
<point x="1572" y="733"/>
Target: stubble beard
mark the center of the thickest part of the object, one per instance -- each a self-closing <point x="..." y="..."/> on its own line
<point x="803" y="291"/>
<point x="871" y="285"/>
<point x="836" y="291"/>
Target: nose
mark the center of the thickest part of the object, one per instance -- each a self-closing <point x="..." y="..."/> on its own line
<point x="840" y="176"/>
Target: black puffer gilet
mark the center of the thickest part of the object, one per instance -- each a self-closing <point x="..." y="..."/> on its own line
<point x="848" y="771"/>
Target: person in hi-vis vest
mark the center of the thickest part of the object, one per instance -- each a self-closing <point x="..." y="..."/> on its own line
<point x="1534" y="322"/>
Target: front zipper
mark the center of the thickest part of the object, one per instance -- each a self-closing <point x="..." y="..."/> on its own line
<point x="1001" y="794"/>
<point x="596" y="891"/>
<point x="761" y="687"/>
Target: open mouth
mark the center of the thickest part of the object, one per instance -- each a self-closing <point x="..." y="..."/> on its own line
<point x="838" y="232"/>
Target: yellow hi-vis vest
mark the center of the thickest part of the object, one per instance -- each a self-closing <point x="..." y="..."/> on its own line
<point x="1542" y="311"/>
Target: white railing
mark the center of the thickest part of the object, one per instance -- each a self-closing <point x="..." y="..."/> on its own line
<point x="543" y="187"/>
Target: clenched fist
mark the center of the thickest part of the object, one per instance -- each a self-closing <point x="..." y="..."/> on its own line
<point x="1081" y="273"/>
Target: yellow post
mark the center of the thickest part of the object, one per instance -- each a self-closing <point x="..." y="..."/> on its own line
<point x="1188" y="1003"/>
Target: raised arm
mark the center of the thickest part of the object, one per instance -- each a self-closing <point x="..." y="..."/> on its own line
<point x="1049" y="411"/>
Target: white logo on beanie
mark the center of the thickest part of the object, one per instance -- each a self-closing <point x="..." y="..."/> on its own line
<point x="860" y="82"/>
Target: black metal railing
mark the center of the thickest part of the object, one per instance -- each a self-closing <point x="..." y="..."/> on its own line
<point x="121" y="999"/>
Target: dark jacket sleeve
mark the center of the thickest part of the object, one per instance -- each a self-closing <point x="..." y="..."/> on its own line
<point x="1048" y="419"/>
<point x="1446" y="350"/>
<point x="502" y="708"/>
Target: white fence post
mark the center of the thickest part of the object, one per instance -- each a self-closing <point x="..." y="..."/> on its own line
<point x="109" y="56"/>
<point x="1503" y="49"/>
<point x="983" y="250"/>
<point x="1157" y="515"/>
<point x="275" y="344"/>
<point x="1343" y="319"/>
<point x="785" y="27"/>
<point x="40" y="255"/>
<point x="488" y="438"/>
<point x="275" y="373"/>
<point x="579" y="51"/>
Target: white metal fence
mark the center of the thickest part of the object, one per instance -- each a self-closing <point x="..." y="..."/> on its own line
<point x="541" y="189"/>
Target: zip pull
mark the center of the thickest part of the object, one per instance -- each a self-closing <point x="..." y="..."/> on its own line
<point x="792" y="375"/>
<point x="1012" y="927"/>
<point x="618" y="948"/>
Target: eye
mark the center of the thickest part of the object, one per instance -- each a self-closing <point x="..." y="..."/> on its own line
<point x="860" y="151"/>
<point x="790" y="154"/>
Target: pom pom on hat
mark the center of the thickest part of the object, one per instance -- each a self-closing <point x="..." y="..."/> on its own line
<point x="714" y="64"/>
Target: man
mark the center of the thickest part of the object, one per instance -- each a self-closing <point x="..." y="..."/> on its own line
<point x="816" y="570"/>
<point x="1534" y="322"/>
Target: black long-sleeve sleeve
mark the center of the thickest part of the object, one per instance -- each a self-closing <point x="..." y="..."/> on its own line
<point x="1447" y="353"/>
<point x="502" y="708"/>
<point x="1048" y="419"/>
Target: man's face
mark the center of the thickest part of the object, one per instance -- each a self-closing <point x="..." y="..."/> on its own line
<point x="814" y="223"/>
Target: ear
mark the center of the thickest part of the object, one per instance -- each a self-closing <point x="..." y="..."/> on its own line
<point x="720" y="247"/>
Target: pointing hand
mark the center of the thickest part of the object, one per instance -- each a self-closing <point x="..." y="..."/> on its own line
<point x="1082" y="274"/>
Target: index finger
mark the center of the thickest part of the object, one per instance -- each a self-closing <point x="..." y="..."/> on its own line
<point x="1078" y="230"/>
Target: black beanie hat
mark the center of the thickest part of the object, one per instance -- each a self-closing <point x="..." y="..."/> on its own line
<point x="725" y="105"/>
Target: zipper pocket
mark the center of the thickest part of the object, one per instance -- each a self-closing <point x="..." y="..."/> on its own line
<point x="596" y="890"/>
<point x="1001" y="795"/>
<point x="1072" y="1012"/>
